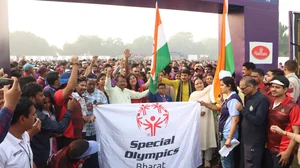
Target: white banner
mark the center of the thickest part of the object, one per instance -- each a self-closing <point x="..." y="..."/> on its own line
<point x="149" y="135"/>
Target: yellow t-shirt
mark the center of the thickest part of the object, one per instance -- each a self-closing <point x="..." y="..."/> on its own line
<point x="175" y="84"/>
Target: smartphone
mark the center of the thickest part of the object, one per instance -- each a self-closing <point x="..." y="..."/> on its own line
<point x="6" y="81"/>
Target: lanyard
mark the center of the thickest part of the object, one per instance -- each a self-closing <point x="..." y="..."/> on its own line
<point x="28" y="154"/>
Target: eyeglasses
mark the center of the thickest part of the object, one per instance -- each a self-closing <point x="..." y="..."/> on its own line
<point x="244" y="88"/>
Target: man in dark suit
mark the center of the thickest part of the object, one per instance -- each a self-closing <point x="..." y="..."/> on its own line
<point x="160" y="95"/>
<point x="254" y="123"/>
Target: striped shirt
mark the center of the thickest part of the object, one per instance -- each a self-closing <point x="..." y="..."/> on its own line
<point x="99" y="97"/>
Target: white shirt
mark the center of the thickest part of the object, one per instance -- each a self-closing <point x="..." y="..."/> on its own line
<point x="119" y="96"/>
<point x="16" y="153"/>
<point x="81" y="101"/>
<point x="295" y="84"/>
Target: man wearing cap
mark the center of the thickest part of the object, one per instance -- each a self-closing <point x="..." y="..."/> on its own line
<point x="73" y="155"/>
<point x="254" y="122"/>
<point x="268" y="78"/>
<point x="284" y="113"/>
<point x="42" y="71"/>
<point x="84" y="64"/>
<point x="60" y="70"/>
<point x="28" y="70"/>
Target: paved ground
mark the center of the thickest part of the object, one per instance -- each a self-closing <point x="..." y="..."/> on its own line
<point x="215" y="165"/>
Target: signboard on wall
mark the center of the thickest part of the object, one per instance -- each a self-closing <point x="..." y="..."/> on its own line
<point x="261" y="52"/>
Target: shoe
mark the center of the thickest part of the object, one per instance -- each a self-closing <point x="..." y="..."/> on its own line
<point x="207" y="163"/>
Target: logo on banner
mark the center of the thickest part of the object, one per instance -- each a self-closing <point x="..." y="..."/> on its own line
<point x="260" y="52"/>
<point x="152" y="117"/>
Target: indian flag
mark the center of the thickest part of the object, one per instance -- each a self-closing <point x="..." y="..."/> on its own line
<point x="225" y="61"/>
<point x="161" y="55"/>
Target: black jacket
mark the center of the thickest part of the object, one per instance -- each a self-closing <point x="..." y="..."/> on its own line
<point x="40" y="143"/>
<point x="255" y="117"/>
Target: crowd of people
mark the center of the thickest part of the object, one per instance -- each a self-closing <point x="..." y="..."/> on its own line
<point x="47" y="117"/>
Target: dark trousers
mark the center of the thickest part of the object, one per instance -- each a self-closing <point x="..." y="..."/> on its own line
<point x="63" y="142"/>
<point x="253" y="156"/>
<point x="272" y="161"/>
<point x="91" y="162"/>
<point x="42" y="165"/>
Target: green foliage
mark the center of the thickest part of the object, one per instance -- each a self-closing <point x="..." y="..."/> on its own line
<point x="283" y="43"/>
<point x="25" y="43"/>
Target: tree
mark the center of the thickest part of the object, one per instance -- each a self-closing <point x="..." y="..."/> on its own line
<point x="142" y="45"/>
<point x="181" y="42"/>
<point x="210" y="47"/>
<point x="84" y="45"/>
<point x="283" y="42"/>
<point x="113" y="47"/>
<point x="26" y="43"/>
<point x="93" y="45"/>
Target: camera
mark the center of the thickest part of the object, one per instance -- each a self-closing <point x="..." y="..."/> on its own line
<point x="6" y="81"/>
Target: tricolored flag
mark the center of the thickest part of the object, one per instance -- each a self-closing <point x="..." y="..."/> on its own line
<point x="161" y="55"/>
<point x="225" y="60"/>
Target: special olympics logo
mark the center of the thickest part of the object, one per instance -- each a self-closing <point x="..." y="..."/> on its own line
<point x="151" y="117"/>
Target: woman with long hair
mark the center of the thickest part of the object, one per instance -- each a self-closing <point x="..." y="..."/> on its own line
<point x="207" y="123"/>
<point x="132" y="84"/>
<point x="229" y="118"/>
<point x="74" y="155"/>
<point x="48" y="109"/>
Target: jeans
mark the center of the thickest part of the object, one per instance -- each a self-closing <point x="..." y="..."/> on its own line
<point x="227" y="162"/>
<point x="273" y="160"/>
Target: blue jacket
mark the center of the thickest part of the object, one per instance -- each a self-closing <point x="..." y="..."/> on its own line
<point x="157" y="97"/>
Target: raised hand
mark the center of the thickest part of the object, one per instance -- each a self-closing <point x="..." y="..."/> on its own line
<point x="75" y="60"/>
<point x="95" y="58"/>
<point x="36" y="128"/>
<point x="127" y="53"/>
<point x="72" y="104"/>
<point x="12" y="95"/>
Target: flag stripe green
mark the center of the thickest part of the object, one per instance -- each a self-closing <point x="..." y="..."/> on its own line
<point x="229" y="60"/>
<point x="162" y="60"/>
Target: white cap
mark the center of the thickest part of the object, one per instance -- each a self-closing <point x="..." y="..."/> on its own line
<point x="223" y="74"/>
<point x="277" y="82"/>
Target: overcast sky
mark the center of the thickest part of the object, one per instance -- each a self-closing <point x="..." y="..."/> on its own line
<point x="59" y="22"/>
